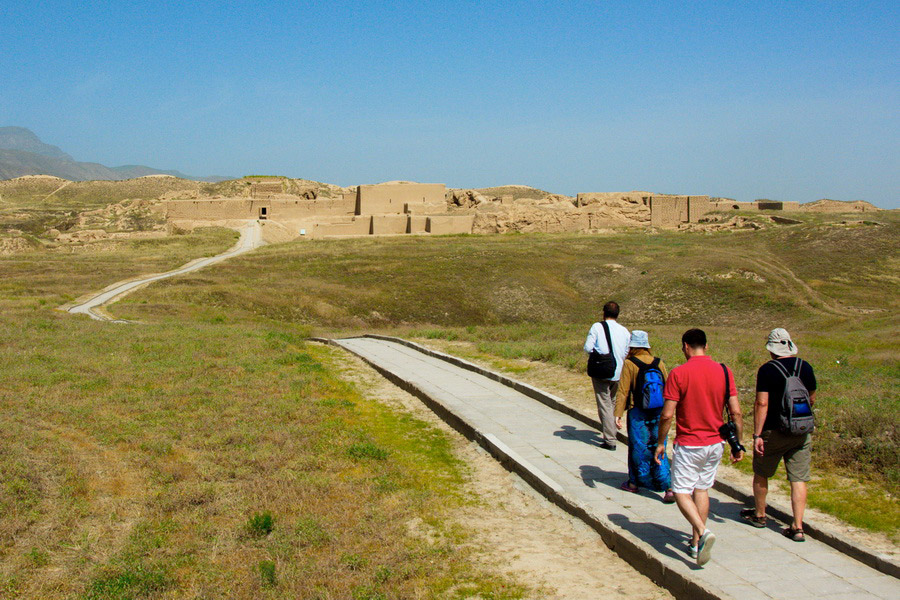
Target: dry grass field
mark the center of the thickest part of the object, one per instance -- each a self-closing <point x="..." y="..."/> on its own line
<point x="211" y="451"/>
<point x="831" y="281"/>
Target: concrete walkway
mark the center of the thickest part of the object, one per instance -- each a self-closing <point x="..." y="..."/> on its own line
<point x="559" y="455"/>
<point x="251" y="237"/>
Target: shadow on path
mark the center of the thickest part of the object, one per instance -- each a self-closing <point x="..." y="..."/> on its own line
<point x="665" y="540"/>
<point x="586" y="436"/>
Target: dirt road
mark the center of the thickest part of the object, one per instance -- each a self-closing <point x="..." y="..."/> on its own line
<point x="251" y="237"/>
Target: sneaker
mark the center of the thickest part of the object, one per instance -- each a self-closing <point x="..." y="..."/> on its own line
<point x="704" y="548"/>
<point x="669" y="497"/>
<point x="607" y="446"/>
<point x="749" y="515"/>
<point x="692" y="551"/>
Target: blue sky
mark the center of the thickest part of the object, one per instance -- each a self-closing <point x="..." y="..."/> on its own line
<point x="782" y="100"/>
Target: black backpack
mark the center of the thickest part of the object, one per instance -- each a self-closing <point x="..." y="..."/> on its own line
<point x="795" y="410"/>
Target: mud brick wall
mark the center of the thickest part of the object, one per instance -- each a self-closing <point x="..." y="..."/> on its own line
<point x="666" y="211"/>
<point x="394" y="198"/>
<point x="226" y="208"/>
<point x="389" y="224"/>
<point x="697" y="207"/>
<point x="449" y="225"/>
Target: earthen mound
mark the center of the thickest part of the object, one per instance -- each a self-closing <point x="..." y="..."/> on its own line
<point x="826" y="205"/>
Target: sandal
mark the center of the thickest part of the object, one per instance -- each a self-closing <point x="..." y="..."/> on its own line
<point x="669" y="497"/>
<point x="794" y="534"/>
<point x="749" y="514"/>
<point x="629" y="487"/>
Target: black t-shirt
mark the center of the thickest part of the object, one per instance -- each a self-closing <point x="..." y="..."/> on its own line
<point x="770" y="379"/>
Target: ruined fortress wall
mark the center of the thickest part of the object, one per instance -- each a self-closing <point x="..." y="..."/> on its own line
<point x="300" y="208"/>
<point x="389" y="224"/>
<point x="417" y="223"/>
<point x="697" y="207"/>
<point x="790" y="206"/>
<point x="211" y="210"/>
<point x="450" y="224"/>
<point x="666" y="211"/>
<point x="277" y="209"/>
<point x="343" y="225"/>
<point x="394" y="198"/>
<point x="612" y="198"/>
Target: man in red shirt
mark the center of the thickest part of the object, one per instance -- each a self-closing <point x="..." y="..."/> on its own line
<point x="695" y="394"/>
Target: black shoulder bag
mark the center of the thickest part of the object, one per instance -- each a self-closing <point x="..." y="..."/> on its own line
<point x="602" y="366"/>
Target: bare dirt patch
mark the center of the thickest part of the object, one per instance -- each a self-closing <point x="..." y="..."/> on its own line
<point x="513" y="528"/>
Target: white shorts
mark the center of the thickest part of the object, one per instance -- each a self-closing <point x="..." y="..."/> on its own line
<point x="694" y="467"/>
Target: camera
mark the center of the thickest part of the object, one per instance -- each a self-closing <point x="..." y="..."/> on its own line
<point x="728" y="431"/>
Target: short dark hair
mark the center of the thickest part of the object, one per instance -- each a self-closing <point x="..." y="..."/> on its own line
<point x="611" y="310"/>
<point x="695" y="338"/>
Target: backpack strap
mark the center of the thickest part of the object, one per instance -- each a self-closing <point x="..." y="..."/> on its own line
<point x="781" y="368"/>
<point x="641" y="365"/>
<point x="797" y="365"/>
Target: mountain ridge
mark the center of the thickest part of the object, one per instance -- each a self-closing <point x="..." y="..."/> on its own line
<point x="23" y="153"/>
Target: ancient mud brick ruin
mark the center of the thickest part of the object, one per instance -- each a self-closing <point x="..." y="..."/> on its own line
<point x="296" y="208"/>
<point x="382" y="209"/>
<point x="671" y="211"/>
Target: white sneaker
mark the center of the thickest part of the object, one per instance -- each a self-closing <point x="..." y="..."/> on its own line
<point x="692" y="551"/>
<point x="704" y="548"/>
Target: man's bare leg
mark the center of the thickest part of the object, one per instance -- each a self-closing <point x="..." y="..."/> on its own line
<point x="701" y="499"/>
<point x="760" y="491"/>
<point x="687" y="505"/>
<point x="798" y="502"/>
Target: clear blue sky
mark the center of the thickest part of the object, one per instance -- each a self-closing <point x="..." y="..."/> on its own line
<point x="782" y="100"/>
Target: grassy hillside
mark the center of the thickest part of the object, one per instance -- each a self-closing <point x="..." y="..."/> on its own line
<point x="831" y="283"/>
<point x="206" y="457"/>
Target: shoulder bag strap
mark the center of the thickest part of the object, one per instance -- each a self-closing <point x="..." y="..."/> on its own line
<point x="608" y="338"/>
<point x="727" y="391"/>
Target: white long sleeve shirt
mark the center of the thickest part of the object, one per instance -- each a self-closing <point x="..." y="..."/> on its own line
<point x="620" y="337"/>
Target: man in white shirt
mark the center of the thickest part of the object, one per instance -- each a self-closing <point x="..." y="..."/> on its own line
<point x="605" y="389"/>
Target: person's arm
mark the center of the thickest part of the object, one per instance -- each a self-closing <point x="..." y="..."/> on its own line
<point x="591" y="342"/>
<point x="812" y="397"/>
<point x="760" y="410"/>
<point x="625" y="384"/>
<point x="665" y="423"/>
<point x="735" y="407"/>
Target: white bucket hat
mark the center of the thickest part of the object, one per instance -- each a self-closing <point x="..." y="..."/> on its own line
<point x="639" y="339"/>
<point x="780" y="343"/>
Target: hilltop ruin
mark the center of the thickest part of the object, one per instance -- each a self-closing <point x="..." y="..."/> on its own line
<point x="291" y="209"/>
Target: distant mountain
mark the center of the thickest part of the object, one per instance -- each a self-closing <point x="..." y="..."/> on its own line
<point x="23" y="153"/>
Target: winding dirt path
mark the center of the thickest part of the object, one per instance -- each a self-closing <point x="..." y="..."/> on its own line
<point x="251" y="238"/>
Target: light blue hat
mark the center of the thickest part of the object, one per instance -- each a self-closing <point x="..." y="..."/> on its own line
<point x="639" y="339"/>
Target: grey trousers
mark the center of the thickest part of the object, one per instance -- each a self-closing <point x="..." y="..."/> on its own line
<point x="605" y="392"/>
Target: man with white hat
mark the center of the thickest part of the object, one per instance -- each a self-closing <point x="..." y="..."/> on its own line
<point x="771" y="443"/>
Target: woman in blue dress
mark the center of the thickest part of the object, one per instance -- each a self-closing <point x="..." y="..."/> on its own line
<point x="640" y="393"/>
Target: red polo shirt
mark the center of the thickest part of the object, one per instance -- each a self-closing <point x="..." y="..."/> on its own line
<point x="698" y="386"/>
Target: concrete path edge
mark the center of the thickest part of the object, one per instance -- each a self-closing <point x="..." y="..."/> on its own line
<point x="633" y="550"/>
<point x="822" y="533"/>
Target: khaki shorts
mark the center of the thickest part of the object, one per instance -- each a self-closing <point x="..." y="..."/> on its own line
<point x="795" y="449"/>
